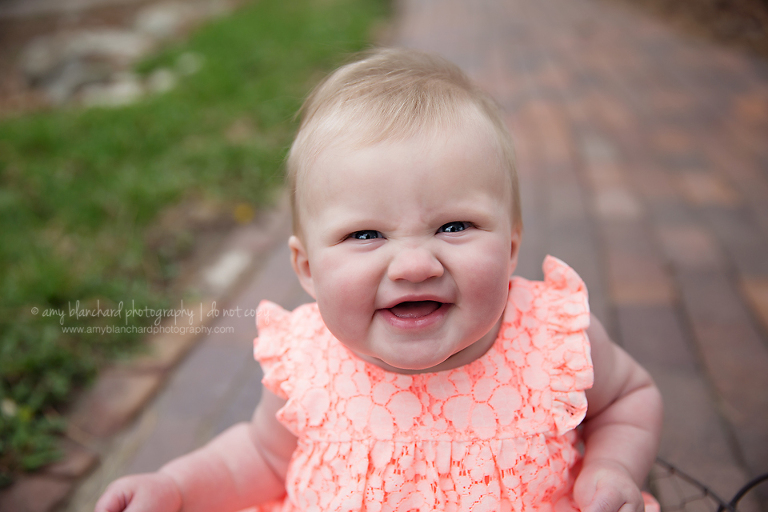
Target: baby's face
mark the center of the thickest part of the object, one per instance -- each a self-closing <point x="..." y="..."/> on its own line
<point x="408" y="247"/>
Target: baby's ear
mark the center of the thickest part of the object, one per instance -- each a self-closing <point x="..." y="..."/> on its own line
<point x="514" y="250"/>
<point x="300" y="263"/>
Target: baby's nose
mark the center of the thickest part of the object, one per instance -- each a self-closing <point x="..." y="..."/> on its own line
<point x="415" y="265"/>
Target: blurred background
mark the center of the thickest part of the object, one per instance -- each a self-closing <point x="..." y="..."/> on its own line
<point x="141" y="149"/>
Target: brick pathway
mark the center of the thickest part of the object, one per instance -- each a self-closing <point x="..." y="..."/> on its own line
<point x="644" y="163"/>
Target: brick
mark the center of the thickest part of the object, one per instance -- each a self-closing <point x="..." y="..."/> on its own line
<point x="163" y="352"/>
<point x="673" y="213"/>
<point x="682" y="162"/>
<point x="636" y="275"/>
<point x="613" y="112"/>
<point x="243" y="403"/>
<point x="690" y="247"/>
<point x="575" y="242"/>
<point x="752" y="109"/>
<point x="617" y="203"/>
<point x="748" y="140"/>
<point x="552" y="78"/>
<point x="552" y="140"/>
<point x="565" y="200"/>
<point x="742" y="239"/>
<point x="605" y="175"/>
<point x="599" y="150"/>
<point x="735" y="357"/>
<point x="672" y="140"/>
<point x="533" y="248"/>
<point x="636" y="290"/>
<point x="756" y="293"/>
<point x="707" y="189"/>
<point x="113" y="401"/>
<point x="653" y="184"/>
<point x="35" y="494"/>
<point x="671" y="102"/>
<point x="655" y="337"/>
<point x="198" y="386"/>
<point x="170" y="437"/>
<point x="747" y="173"/>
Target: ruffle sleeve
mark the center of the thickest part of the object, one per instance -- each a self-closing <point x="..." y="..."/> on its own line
<point x="271" y="346"/>
<point x="568" y="319"/>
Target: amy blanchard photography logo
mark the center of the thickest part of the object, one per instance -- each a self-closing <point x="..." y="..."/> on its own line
<point x="183" y="316"/>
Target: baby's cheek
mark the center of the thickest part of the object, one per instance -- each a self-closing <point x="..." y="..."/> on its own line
<point x="345" y="304"/>
<point x="490" y="285"/>
<point x="489" y="294"/>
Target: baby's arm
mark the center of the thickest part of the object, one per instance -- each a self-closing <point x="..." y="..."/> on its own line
<point x="242" y="467"/>
<point x="621" y="431"/>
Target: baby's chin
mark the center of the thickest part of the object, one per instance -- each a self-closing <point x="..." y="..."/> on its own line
<point x="407" y="365"/>
<point x="432" y="359"/>
<point x="429" y="362"/>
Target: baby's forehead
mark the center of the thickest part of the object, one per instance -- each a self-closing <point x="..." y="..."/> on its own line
<point x="341" y="145"/>
<point x="432" y="148"/>
<point x="358" y="130"/>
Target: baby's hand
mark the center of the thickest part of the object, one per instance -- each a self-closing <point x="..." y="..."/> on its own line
<point x="606" y="486"/>
<point x="148" y="492"/>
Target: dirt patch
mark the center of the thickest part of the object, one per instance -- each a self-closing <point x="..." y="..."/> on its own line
<point x="740" y="24"/>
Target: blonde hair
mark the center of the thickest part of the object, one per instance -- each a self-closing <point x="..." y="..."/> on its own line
<point x="392" y="94"/>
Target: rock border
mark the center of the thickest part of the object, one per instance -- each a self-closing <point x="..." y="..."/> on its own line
<point x="92" y="66"/>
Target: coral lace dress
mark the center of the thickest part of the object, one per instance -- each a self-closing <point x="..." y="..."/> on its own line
<point x="494" y="435"/>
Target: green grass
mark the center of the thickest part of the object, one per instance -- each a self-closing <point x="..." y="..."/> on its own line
<point x="81" y="189"/>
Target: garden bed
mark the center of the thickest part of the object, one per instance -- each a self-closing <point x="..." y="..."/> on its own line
<point x="100" y="208"/>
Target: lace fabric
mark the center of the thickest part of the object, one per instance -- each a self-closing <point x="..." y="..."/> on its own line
<point x="496" y="434"/>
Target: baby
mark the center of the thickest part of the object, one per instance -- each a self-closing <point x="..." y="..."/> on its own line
<point x="426" y="376"/>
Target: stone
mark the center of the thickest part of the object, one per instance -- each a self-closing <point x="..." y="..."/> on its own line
<point x="222" y="274"/>
<point x="125" y="90"/>
<point x="189" y="63"/>
<point x="120" y="45"/>
<point x="45" y="54"/>
<point x="32" y="8"/>
<point x="161" y="80"/>
<point x="164" y="20"/>
<point x="64" y="63"/>
<point x="73" y="76"/>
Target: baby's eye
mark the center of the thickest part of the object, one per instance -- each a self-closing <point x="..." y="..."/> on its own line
<point x="368" y="234"/>
<point x="454" y="227"/>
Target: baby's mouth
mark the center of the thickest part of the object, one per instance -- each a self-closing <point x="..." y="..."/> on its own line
<point x="415" y="309"/>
